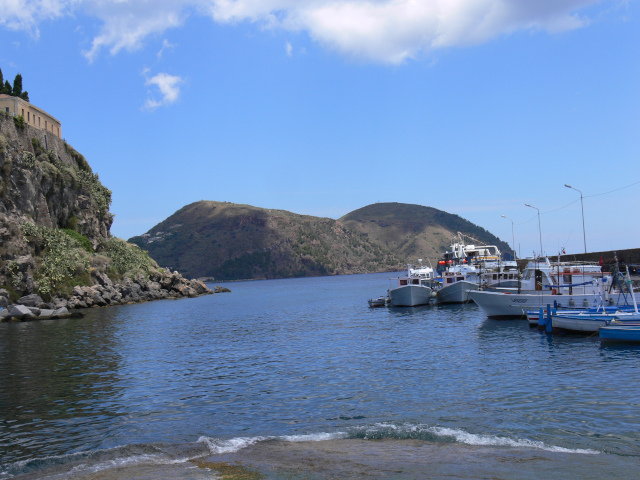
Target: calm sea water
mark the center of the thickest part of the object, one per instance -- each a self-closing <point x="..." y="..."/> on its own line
<point x="300" y="379"/>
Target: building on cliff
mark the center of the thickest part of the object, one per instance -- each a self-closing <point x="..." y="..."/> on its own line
<point x="33" y="116"/>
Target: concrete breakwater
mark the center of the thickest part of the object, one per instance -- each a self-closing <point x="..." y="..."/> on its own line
<point x="159" y="285"/>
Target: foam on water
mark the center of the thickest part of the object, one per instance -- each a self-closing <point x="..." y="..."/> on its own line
<point x="79" y="463"/>
<point x="440" y="434"/>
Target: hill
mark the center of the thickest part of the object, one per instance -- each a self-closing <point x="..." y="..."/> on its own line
<point x="413" y="231"/>
<point x="229" y="241"/>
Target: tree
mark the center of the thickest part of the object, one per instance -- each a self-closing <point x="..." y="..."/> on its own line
<point x="1" y="81"/>
<point x="17" y="86"/>
<point x="7" y="88"/>
<point x="25" y="96"/>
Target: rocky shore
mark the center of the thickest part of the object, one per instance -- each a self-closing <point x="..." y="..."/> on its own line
<point x="160" y="285"/>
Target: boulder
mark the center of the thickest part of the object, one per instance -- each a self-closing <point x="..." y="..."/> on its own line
<point x="60" y="313"/>
<point x="32" y="300"/>
<point x="219" y="289"/>
<point x="45" y="314"/>
<point x="21" y="312"/>
<point x="4" y="302"/>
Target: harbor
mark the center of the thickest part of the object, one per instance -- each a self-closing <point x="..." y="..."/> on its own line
<point x="262" y="383"/>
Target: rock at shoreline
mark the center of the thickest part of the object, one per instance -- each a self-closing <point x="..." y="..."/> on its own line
<point x="159" y="285"/>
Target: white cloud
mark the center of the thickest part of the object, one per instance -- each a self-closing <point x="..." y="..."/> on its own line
<point x="289" y="49"/>
<point x="386" y="31"/>
<point x="169" y="87"/>
<point x="27" y="14"/>
<point x="165" y="46"/>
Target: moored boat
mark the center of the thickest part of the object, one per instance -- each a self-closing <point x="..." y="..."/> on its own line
<point x="377" y="302"/>
<point x="465" y="267"/>
<point x="418" y="287"/>
<point x="566" y="284"/>
<point x="617" y="331"/>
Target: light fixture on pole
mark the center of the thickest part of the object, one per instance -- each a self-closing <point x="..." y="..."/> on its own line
<point x="513" y="238"/>
<point x="584" y="235"/>
<point x="539" y="229"/>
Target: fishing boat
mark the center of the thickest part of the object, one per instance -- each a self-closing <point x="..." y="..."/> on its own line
<point x="593" y="320"/>
<point x="418" y="287"/>
<point x="467" y="267"/>
<point x="618" y="331"/>
<point x="568" y="285"/>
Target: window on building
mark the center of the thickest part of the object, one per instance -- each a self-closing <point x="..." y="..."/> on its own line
<point x="23" y="113"/>
<point x="28" y="116"/>
<point x="7" y="109"/>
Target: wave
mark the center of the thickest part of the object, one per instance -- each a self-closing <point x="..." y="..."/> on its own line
<point x="406" y="431"/>
<point x="64" y="466"/>
<point x="444" y="434"/>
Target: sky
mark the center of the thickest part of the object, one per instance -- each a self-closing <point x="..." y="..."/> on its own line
<point x="321" y="107"/>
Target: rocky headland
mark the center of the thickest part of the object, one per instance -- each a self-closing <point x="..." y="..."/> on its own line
<point x="56" y="251"/>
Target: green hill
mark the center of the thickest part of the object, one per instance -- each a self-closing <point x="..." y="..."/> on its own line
<point x="228" y="241"/>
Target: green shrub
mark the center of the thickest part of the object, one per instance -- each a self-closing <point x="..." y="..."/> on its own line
<point x="63" y="258"/>
<point x="19" y="121"/>
<point x="81" y="239"/>
<point x="127" y="257"/>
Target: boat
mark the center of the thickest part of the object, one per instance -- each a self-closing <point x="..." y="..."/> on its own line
<point x="533" y="316"/>
<point x="618" y="331"/>
<point x="418" y="287"/>
<point x="467" y="267"/>
<point x="377" y="302"/>
<point x="568" y="285"/>
<point x="590" y="320"/>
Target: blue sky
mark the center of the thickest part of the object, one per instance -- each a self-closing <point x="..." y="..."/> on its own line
<point x="320" y="107"/>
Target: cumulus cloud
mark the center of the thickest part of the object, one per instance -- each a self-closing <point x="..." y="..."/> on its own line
<point x="387" y="31"/>
<point x="169" y="88"/>
<point x="27" y="14"/>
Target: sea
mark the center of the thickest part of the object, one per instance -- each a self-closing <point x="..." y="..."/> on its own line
<point x="300" y="379"/>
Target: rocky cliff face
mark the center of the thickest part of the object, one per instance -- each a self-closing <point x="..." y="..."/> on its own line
<point x="54" y="231"/>
<point x="44" y="180"/>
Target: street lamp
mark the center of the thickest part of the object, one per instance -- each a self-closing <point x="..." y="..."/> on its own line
<point x="513" y="238"/>
<point x="584" y="235"/>
<point x="539" y="229"/>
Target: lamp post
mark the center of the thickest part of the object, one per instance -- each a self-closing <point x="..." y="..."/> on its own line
<point x="539" y="229"/>
<point x="513" y="238"/>
<point x="584" y="235"/>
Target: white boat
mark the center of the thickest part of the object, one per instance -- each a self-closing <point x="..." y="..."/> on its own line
<point x="466" y="267"/>
<point x="564" y="284"/>
<point x="416" y="288"/>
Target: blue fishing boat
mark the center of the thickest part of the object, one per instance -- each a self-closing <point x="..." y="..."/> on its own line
<point x="617" y="331"/>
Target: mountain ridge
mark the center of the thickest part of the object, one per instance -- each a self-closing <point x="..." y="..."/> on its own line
<point x="230" y="241"/>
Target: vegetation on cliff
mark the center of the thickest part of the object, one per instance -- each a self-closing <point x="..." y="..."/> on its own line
<point x="54" y="230"/>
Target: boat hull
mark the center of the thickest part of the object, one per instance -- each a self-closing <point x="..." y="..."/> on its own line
<point x="514" y="305"/>
<point x="410" y="296"/>
<point x="457" y="292"/>
<point x="620" y="333"/>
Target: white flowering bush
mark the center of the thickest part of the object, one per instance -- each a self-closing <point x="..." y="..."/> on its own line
<point x="127" y="257"/>
<point x="62" y="257"/>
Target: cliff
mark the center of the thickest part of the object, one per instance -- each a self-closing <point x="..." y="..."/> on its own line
<point x="54" y="230"/>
